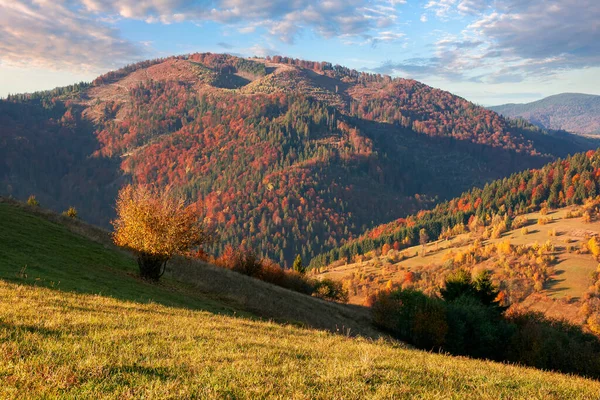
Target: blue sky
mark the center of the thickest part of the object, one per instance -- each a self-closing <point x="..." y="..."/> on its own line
<point x="488" y="51"/>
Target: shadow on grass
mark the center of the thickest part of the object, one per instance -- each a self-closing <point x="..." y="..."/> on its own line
<point x="551" y="285"/>
<point x="160" y="373"/>
<point x="38" y="251"/>
<point x="39" y="330"/>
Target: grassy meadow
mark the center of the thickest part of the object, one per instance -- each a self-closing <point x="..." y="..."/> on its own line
<point x="76" y="322"/>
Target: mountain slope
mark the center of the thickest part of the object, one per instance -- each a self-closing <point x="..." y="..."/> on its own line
<point x="285" y="156"/>
<point x="501" y="228"/>
<point x="572" y="112"/>
<point x="42" y="248"/>
<point x="75" y="324"/>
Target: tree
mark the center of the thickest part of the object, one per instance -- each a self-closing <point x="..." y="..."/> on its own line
<point x="32" y="201"/>
<point x="298" y="266"/>
<point x="156" y="225"/>
<point x="423" y="237"/>
<point x="460" y="284"/>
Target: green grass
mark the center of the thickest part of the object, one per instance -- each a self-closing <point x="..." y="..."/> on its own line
<point x="39" y="252"/>
<point x="60" y="339"/>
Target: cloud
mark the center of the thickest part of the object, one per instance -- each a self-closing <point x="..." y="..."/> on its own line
<point x="82" y="34"/>
<point x="545" y="34"/>
<point x="444" y="9"/>
<point x="441" y="8"/>
<point x="423" y="18"/>
<point x="261" y="51"/>
<point x="47" y="34"/>
<point x="509" y="41"/>
<point x="284" y="19"/>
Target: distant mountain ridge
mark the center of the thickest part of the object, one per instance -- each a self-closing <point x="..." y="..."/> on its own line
<point x="572" y="112"/>
<point x="283" y="155"/>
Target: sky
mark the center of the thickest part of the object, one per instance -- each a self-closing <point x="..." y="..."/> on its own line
<point x="487" y="51"/>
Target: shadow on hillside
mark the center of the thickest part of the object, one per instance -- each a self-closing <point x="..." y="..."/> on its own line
<point x="48" y="250"/>
<point x="46" y="332"/>
<point x="551" y="285"/>
<point x="272" y="301"/>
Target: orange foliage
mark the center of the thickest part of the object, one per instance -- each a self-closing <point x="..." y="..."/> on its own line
<point x="155" y="223"/>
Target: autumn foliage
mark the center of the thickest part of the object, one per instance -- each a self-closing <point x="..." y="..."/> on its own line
<point x="156" y="225"/>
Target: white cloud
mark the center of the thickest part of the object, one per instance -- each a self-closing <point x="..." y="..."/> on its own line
<point x="511" y="40"/>
<point x="40" y="33"/>
<point x="81" y="33"/>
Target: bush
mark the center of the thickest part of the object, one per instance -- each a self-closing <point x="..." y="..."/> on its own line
<point x="71" y="212"/>
<point x="246" y="261"/>
<point x="411" y="316"/>
<point x="475" y="329"/>
<point x="469" y="321"/>
<point x="330" y="290"/>
<point x="156" y="225"/>
<point x="553" y="345"/>
<point x="32" y="201"/>
<point x="468" y="326"/>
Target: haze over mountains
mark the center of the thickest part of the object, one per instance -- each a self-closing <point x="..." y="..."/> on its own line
<point x="572" y="112"/>
<point x="286" y="156"/>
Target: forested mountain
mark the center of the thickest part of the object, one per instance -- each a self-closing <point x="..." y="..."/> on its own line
<point x="286" y="156"/>
<point x="573" y="112"/>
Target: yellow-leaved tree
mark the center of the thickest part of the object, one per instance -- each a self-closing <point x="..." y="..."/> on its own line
<point x="156" y="225"/>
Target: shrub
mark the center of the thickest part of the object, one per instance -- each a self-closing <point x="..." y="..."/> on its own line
<point x="475" y="329"/>
<point x="246" y="261"/>
<point x="467" y="326"/>
<point x="411" y="316"/>
<point x="330" y="290"/>
<point x="32" y="201"/>
<point x="553" y="344"/>
<point x="544" y="220"/>
<point x="71" y="212"/>
<point x="155" y="225"/>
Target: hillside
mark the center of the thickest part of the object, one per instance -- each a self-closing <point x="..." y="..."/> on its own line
<point x="285" y="156"/>
<point x="565" y="274"/>
<point x="65" y="260"/>
<point x="537" y="231"/>
<point x="572" y="112"/>
<point x="75" y="323"/>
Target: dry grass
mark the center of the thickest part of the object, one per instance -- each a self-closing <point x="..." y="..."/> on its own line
<point x="68" y="345"/>
<point x="61" y="338"/>
<point x="573" y="271"/>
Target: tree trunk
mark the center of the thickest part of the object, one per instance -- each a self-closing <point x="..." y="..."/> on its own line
<point x="151" y="267"/>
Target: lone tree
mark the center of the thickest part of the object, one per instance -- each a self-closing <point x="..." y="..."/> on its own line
<point x="156" y="225"/>
<point x="298" y="266"/>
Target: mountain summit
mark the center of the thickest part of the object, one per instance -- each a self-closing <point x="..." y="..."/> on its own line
<point x="573" y="112"/>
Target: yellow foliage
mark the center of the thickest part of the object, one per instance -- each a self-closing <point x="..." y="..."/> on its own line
<point x="504" y="247"/>
<point x="594" y="246"/>
<point x="155" y="222"/>
<point x="544" y="220"/>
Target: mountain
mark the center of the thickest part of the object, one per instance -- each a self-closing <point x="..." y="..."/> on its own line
<point x="77" y="323"/>
<point x="282" y="155"/>
<point x="572" y="112"/>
